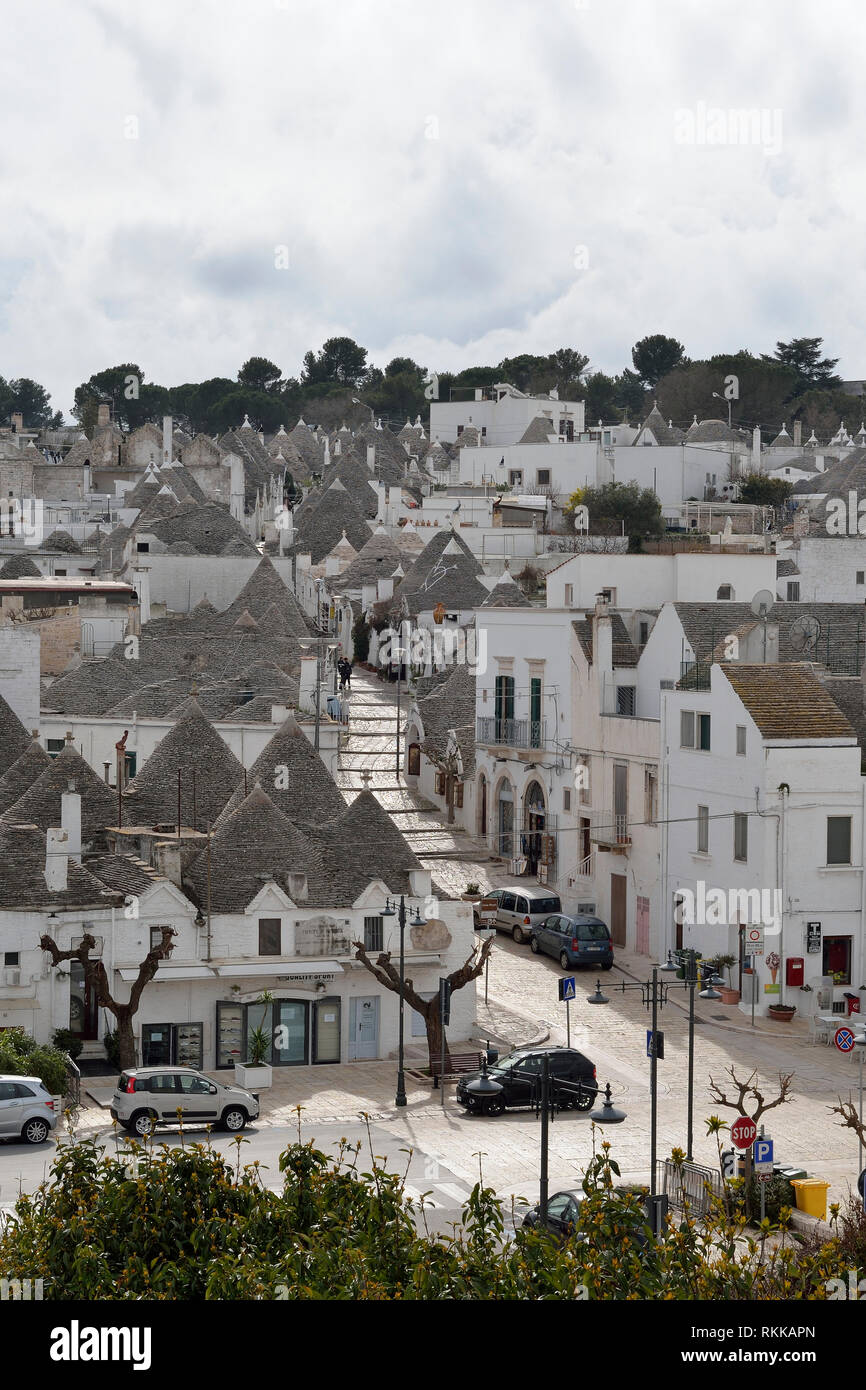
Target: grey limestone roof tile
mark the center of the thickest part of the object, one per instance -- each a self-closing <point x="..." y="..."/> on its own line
<point x="40" y="804"/>
<point x="20" y="567"/>
<point x="22" y="875"/>
<point x="22" y="774"/>
<point x="294" y="777"/>
<point x="192" y="746"/>
<point x="14" y="738"/>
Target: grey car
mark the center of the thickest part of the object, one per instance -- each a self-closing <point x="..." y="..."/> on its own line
<point x="520" y="908"/>
<point x="150" y="1096"/>
<point x="26" y="1109"/>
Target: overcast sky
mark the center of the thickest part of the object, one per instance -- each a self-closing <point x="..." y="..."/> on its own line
<point x="457" y="181"/>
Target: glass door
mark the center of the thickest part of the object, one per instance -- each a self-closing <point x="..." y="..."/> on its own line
<point x="327" y="1034"/>
<point x="290" y="1032"/>
<point x="156" y="1045"/>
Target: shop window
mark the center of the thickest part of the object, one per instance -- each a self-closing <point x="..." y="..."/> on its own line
<point x="837" y="958"/>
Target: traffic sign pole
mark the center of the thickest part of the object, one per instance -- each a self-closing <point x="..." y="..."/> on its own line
<point x="568" y="1023"/>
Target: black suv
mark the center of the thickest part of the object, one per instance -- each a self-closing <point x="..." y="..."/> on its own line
<point x="519" y="1075"/>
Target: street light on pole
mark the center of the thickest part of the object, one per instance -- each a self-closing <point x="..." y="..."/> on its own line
<point x="389" y="910"/>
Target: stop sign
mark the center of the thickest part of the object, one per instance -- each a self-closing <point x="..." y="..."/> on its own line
<point x="743" y="1132"/>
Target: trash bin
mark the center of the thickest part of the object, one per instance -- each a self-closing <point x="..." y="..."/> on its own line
<point x="785" y="1171"/>
<point x="492" y="1055"/>
<point x="811" y="1196"/>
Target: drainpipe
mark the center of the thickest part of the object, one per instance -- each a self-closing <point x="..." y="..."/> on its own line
<point x="778" y="816"/>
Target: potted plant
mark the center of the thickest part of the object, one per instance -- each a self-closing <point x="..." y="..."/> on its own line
<point x="256" y="1071"/>
<point x="729" y="994"/>
<point x="471" y="892"/>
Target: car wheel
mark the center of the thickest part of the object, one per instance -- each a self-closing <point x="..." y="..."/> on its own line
<point x="586" y="1101"/>
<point x="35" y="1131"/>
<point x="518" y="936"/>
<point x="563" y="960"/>
<point x="609" y="966"/>
<point x="495" y="1106"/>
<point x="235" y="1118"/>
<point x="142" y="1123"/>
<point x="533" y="945"/>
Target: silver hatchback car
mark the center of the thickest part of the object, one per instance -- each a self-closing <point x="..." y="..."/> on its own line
<point x="26" y="1109"/>
<point x="151" y="1096"/>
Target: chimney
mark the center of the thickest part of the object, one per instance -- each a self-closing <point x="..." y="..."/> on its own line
<point x="332" y="565"/>
<point x="298" y="889"/>
<point x="307" y="687"/>
<point x="167" y="861"/>
<point x="371" y="457"/>
<point x="103" y="415"/>
<point x="279" y="714"/>
<point x="304" y="562"/>
<point x="17" y="421"/>
<point x="167" y="442"/>
<point x="798" y="433"/>
<point x="141" y="584"/>
<point x="70" y="820"/>
<point x="602" y="647"/>
<point x="756" y="449"/>
<point x="56" y="861"/>
<point x="385" y="586"/>
<point x="236" y="504"/>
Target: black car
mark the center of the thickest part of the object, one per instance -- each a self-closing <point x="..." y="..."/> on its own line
<point x="519" y="1075"/>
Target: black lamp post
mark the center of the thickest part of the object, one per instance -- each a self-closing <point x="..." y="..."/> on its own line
<point x="417" y="921"/>
<point x="545" y="1096"/>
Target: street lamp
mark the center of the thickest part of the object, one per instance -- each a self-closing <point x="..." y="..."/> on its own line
<point x="417" y="921"/>
<point x="321" y="646"/>
<point x="608" y="1114"/>
<point x="654" y="994"/>
<point x="717" y="397"/>
<point x="545" y="1097"/>
<point x="860" y="1044"/>
<point x="484" y="1088"/>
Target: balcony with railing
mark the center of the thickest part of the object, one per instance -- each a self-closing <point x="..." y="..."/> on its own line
<point x="610" y="830"/>
<point x="694" y="675"/>
<point x="511" y="733"/>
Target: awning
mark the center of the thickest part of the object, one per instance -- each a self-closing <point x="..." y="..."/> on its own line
<point x="167" y="975"/>
<point x="288" y="970"/>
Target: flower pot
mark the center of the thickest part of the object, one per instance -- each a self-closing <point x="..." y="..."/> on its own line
<point x="729" y="995"/>
<point x="782" y="1013"/>
<point x="250" y="1076"/>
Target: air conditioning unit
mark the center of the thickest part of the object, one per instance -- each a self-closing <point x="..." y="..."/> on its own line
<point x="12" y="975"/>
<point x="586" y="909"/>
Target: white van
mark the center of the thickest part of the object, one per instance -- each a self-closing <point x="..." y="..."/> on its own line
<point x="522" y="907"/>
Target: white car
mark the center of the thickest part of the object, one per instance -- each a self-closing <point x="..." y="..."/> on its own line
<point x="26" y="1109"/>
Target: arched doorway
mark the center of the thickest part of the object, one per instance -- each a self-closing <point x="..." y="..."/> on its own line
<point x="534" y="821"/>
<point x="482" y="806"/>
<point x="505" y="819"/>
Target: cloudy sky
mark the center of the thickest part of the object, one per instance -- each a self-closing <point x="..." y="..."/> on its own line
<point x="189" y="182"/>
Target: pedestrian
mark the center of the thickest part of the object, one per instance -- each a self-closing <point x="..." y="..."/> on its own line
<point x="345" y="671"/>
<point x="348" y="666"/>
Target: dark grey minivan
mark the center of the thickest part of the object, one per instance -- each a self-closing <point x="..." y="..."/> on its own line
<point x="521" y="907"/>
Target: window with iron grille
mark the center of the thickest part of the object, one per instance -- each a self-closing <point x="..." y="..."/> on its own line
<point x="793" y="591"/>
<point x="703" y="846"/>
<point x="373" y="934"/>
<point x="625" y="699"/>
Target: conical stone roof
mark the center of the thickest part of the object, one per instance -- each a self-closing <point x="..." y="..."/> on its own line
<point x="14" y="738"/>
<point x="41" y="803"/>
<point x="254" y="845"/>
<point x="362" y="844"/>
<point x="18" y="778"/>
<point x="294" y="777"/>
<point x="192" y="745"/>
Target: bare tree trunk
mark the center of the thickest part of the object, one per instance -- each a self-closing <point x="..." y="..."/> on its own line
<point x="433" y="1024"/>
<point x="126" y="1055"/>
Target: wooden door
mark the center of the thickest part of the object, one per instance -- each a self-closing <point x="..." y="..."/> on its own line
<point x="617" y="909"/>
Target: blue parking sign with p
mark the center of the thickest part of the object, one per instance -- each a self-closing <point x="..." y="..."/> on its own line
<point x="763" y="1151"/>
<point x="567" y="988"/>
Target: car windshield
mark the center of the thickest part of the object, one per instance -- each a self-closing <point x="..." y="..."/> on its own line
<point x="544" y="906"/>
<point x="592" y="931"/>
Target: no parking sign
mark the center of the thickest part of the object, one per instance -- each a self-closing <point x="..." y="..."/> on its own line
<point x="844" y="1039"/>
<point x="753" y="941"/>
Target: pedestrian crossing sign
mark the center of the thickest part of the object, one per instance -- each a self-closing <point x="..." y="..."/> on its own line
<point x="567" y="988"/>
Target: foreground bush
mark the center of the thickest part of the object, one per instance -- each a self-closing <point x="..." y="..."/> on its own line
<point x="184" y="1223"/>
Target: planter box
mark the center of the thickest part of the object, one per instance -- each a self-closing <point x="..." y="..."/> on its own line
<point x="253" y="1078"/>
<point x="781" y="1015"/>
<point x="729" y="996"/>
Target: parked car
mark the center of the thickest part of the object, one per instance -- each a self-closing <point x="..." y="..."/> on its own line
<point x="520" y="1073"/>
<point x="520" y="907"/>
<point x="563" y="1212"/>
<point x="26" y="1109"/>
<point x="573" y="941"/>
<point x="150" y="1096"/>
<point x="563" y="1215"/>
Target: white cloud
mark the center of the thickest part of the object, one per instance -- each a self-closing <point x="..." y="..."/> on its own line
<point x="309" y="125"/>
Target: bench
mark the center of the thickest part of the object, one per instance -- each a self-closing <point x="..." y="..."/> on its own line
<point x="457" y="1063"/>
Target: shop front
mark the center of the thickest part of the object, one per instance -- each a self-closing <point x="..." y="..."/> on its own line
<point x="302" y="1018"/>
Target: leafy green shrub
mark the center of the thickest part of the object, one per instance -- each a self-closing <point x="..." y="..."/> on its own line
<point x="67" y="1041"/>
<point x="778" y="1193"/>
<point x="360" y="639"/>
<point x="21" y="1055"/>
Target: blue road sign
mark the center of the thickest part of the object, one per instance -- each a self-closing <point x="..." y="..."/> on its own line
<point x="763" y="1151"/>
<point x="655" y="1044"/>
<point x="567" y="988"/>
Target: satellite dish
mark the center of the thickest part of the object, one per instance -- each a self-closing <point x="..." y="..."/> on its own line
<point x="804" y="633"/>
<point x="762" y="603"/>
